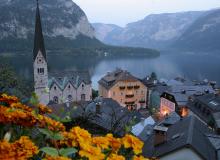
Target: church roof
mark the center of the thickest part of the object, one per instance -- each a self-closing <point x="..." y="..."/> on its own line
<point x="75" y="78"/>
<point x="38" y="37"/>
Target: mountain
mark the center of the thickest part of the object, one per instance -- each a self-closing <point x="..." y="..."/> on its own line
<point x="103" y="31"/>
<point x="155" y="31"/>
<point x="202" y="35"/>
<point x="64" y="24"/>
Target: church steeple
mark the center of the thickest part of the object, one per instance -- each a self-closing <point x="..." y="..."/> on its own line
<point x="38" y="37"/>
<point x="40" y="62"/>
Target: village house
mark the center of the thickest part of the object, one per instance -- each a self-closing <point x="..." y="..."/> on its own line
<point x="56" y="88"/>
<point x="207" y="109"/>
<point x="125" y="88"/>
<point x="188" y="138"/>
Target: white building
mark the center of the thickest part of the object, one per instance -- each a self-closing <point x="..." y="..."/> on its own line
<point x="56" y="87"/>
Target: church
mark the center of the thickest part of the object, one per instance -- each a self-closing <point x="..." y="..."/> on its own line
<point x="67" y="86"/>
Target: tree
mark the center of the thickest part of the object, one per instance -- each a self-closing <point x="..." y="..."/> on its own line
<point x="12" y="84"/>
<point x="153" y="76"/>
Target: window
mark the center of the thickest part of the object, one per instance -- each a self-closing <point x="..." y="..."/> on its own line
<point x="55" y="88"/>
<point x="40" y="70"/>
<point x="70" y="98"/>
<point x="69" y="86"/>
<point x="55" y="99"/>
<point x="83" y="86"/>
<point x="83" y="97"/>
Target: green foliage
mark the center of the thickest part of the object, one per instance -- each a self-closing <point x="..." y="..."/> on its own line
<point x="67" y="151"/>
<point x="153" y="76"/>
<point x="50" y="151"/>
<point x="11" y="84"/>
<point x="50" y="134"/>
<point x="95" y="94"/>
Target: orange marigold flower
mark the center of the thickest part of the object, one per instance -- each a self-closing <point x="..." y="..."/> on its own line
<point x="22" y="149"/>
<point x="91" y="152"/>
<point x="115" y="143"/>
<point x="18" y="105"/>
<point x="43" y="109"/>
<point x="115" y="157"/>
<point x="8" y="99"/>
<point x="101" y="142"/>
<point x="130" y="141"/>
<point x="82" y="135"/>
<point x="55" y="158"/>
<point x="69" y="139"/>
<point x="17" y="116"/>
<point x="46" y="122"/>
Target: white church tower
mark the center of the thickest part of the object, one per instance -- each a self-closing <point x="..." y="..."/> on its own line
<point x="40" y="62"/>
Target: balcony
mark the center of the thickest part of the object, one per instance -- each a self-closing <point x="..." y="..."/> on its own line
<point x="130" y="103"/>
<point x="142" y="101"/>
<point x="122" y="87"/>
<point x="129" y="95"/>
<point x="136" y="87"/>
<point x="130" y="87"/>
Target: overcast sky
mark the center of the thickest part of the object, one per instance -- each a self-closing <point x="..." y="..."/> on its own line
<point x="121" y="12"/>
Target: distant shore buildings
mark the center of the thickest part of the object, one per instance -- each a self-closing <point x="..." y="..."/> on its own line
<point x="58" y="87"/>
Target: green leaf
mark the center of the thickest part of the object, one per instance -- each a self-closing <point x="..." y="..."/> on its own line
<point x="66" y="119"/>
<point x="57" y="136"/>
<point x="55" y="117"/>
<point x="50" y="151"/>
<point x="67" y="151"/>
<point x="47" y="132"/>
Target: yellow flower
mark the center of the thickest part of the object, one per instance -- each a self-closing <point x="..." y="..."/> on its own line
<point x="91" y="152"/>
<point x="140" y="158"/>
<point x="115" y="143"/>
<point x="82" y="135"/>
<point x="101" y="142"/>
<point x="130" y="141"/>
<point x="115" y="157"/>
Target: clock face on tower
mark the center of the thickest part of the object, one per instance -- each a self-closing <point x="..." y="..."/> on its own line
<point x="39" y="60"/>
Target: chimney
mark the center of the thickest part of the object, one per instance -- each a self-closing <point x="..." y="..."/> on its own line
<point x="160" y="135"/>
<point x="98" y="108"/>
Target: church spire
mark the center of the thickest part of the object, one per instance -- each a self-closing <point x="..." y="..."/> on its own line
<point x="38" y="37"/>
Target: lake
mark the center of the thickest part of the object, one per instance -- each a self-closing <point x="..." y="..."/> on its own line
<point x="168" y="65"/>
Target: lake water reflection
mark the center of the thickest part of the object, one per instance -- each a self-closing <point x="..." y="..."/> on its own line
<point x="189" y="65"/>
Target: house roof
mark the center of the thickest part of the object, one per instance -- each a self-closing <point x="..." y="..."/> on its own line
<point x="183" y="92"/>
<point x="111" y="78"/>
<point x="110" y="113"/>
<point x="188" y="132"/>
<point x="38" y="36"/>
<point x="171" y="119"/>
<point x="75" y="78"/>
<point x="210" y="100"/>
<point x="139" y="127"/>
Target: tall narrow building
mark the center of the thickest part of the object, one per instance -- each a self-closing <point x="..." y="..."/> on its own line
<point x="40" y="62"/>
